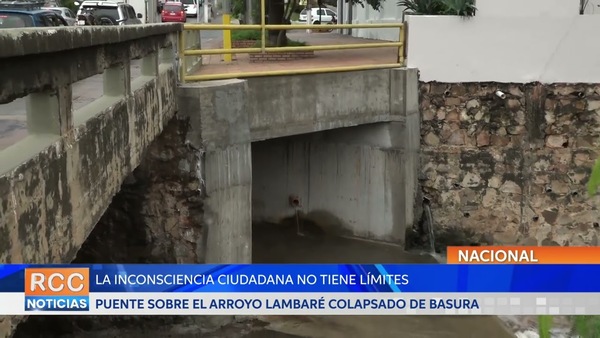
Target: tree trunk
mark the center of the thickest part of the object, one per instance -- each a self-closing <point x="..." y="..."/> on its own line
<point x="276" y="17"/>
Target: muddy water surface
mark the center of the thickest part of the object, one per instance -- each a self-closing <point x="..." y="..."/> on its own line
<point x="281" y="244"/>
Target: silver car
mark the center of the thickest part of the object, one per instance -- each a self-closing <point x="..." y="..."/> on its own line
<point x="66" y="13"/>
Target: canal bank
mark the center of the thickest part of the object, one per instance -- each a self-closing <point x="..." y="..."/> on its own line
<point x="280" y="243"/>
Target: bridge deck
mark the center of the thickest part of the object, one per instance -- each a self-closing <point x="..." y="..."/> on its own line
<point x="214" y="64"/>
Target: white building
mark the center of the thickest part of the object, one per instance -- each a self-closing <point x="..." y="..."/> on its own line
<point x="391" y="12"/>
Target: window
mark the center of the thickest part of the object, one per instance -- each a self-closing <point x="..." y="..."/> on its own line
<point x="54" y="20"/>
<point x="330" y="12"/>
<point x="102" y="11"/>
<point x="173" y="8"/>
<point x="69" y="14"/>
<point x="188" y="2"/>
<point x="15" y="20"/>
<point x="46" y="21"/>
<point x="321" y="12"/>
<point x="130" y="12"/>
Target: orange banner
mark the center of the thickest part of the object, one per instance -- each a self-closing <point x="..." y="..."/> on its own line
<point x="523" y="255"/>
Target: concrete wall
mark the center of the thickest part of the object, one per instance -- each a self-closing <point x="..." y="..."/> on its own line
<point x="57" y="182"/>
<point x="228" y="115"/>
<point x="390" y="12"/>
<point x="348" y="180"/>
<point x="527" y="8"/>
<point x="220" y="134"/>
<point x="283" y="105"/>
<point x="548" y="49"/>
<point x="511" y="171"/>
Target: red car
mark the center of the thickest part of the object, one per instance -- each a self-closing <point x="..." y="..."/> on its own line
<point x="173" y="12"/>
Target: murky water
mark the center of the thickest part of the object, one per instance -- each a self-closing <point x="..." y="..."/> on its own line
<point x="282" y="244"/>
<point x="279" y="244"/>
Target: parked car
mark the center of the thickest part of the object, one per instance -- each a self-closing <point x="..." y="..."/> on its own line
<point x="318" y="16"/>
<point x="28" y="14"/>
<point x="66" y="13"/>
<point x="173" y="12"/>
<point x="108" y="12"/>
<point x="191" y="7"/>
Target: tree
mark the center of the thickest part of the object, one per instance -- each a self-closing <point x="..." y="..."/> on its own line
<point x="280" y="13"/>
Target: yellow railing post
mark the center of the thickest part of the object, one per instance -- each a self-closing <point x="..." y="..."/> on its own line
<point x="182" y="63"/>
<point x="262" y="26"/>
<point x="227" y="37"/>
<point x="401" y="48"/>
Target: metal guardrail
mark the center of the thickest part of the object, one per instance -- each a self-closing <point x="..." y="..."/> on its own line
<point x="263" y="27"/>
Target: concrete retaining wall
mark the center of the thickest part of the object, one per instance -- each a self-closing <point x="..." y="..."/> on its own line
<point x="228" y="115"/>
<point x="349" y="181"/>
<point x="292" y="105"/>
<point x="519" y="49"/>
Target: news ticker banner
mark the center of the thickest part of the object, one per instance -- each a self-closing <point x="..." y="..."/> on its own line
<point x="326" y="289"/>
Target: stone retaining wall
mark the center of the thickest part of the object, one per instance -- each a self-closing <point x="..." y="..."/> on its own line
<point x="512" y="170"/>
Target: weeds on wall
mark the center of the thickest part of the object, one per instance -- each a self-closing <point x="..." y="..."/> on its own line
<point x="464" y="8"/>
<point x="583" y="326"/>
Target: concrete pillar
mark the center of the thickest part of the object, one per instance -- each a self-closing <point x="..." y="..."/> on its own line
<point x="150" y="64"/>
<point x="117" y="80"/>
<point x="405" y="98"/>
<point x="50" y="112"/>
<point x="219" y="131"/>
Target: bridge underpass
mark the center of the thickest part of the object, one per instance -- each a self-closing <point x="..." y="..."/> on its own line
<point x="157" y="189"/>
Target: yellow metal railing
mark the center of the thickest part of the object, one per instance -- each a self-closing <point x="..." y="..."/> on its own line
<point x="227" y="51"/>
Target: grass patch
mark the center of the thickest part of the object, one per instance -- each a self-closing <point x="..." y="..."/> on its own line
<point x="247" y="34"/>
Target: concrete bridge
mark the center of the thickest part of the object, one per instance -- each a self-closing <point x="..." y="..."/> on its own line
<point x="341" y="149"/>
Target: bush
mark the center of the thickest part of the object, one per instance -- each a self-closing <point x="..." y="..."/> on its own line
<point x="245" y="35"/>
<point x="439" y="7"/>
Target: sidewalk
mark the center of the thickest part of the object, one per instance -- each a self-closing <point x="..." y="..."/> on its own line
<point x="213" y="64"/>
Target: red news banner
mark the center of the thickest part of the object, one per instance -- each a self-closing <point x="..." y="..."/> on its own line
<point x="522" y="255"/>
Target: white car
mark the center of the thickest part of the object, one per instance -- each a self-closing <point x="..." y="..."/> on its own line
<point x="118" y="13"/>
<point x="65" y="13"/>
<point x="191" y="7"/>
<point x="318" y="15"/>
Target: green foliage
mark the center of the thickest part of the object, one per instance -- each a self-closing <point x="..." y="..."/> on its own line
<point x="248" y="34"/>
<point x="586" y="326"/>
<point x="544" y="326"/>
<point x="594" y="182"/>
<point x="423" y="7"/>
<point x="461" y="7"/>
<point x="70" y="4"/>
<point x="375" y="4"/>
<point x="439" y="7"/>
<point x="583" y="326"/>
<point x="238" y="8"/>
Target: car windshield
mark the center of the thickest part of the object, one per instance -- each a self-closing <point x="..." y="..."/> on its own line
<point x="173" y="8"/>
<point x="303" y="12"/>
<point x="102" y="11"/>
<point x="15" y="20"/>
<point x="188" y="2"/>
